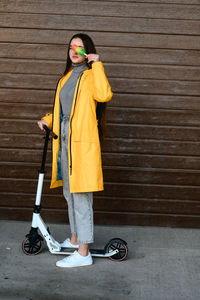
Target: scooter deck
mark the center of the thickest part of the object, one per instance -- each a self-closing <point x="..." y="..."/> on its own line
<point x="94" y="252"/>
<point x="97" y="251"/>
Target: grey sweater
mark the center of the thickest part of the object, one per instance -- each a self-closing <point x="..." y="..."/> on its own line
<point x="67" y="91"/>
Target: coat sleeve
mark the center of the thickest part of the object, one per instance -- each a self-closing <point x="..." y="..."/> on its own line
<point x="48" y="118"/>
<point x="102" y="89"/>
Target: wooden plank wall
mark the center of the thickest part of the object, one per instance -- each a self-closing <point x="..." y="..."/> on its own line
<point x="151" y="155"/>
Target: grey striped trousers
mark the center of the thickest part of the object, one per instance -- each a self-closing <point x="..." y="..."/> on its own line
<point x="80" y="210"/>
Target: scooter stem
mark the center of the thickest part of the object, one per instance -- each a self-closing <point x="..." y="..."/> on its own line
<point x="41" y="171"/>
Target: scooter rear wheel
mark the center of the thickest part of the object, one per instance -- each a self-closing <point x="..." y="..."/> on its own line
<point x="32" y="247"/>
<point x="120" y="245"/>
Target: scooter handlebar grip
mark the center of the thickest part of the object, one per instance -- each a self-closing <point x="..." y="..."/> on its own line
<point x="48" y="131"/>
<point x="46" y="128"/>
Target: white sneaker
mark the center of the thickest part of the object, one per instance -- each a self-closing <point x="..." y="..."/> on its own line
<point x="68" y="244"/>
<point x="75" y="260"/>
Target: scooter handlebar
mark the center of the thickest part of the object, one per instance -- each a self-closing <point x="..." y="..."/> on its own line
<point x="46" y="128"/>
<point x="48" y="131"/>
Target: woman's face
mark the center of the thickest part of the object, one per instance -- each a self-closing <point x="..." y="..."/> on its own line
<point x="75" y="57"/>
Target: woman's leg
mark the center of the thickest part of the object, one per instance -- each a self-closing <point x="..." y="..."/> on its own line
<point x="83" y="211"/>
<point x="65" y="177"/>
<point x="84" y="224"/>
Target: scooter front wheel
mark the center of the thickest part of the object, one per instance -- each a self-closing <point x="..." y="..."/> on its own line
<point x="32" y="247"/>
<point x="117" y="244"/>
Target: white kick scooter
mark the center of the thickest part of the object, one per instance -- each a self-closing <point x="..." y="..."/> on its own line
<point x="116" y="249"/>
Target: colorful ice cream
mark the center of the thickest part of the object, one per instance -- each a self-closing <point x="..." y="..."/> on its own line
<point x="78" y="50"/>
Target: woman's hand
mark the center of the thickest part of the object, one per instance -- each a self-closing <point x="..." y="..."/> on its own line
<point x="41" y="123"/>
<point x="92" y="57"/>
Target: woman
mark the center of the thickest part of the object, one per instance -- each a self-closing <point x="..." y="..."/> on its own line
<point x="76" y="161"/>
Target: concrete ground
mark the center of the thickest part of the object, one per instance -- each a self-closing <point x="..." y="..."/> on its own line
<point x="163" y="264"/>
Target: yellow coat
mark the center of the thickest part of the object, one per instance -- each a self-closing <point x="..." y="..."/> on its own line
<point x="84" y="153"/>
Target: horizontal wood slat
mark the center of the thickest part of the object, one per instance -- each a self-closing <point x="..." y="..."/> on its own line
<point x="119" y="85"/>
<point x="112" y="70"/>
<point x="107" y="54"/>
<point x="122" y="145"/>
<point x="79" y="22"/>
<point x="107" y="204"/>
<point x="148" y="191"/>
<point x="115" y="130"/>
<point x="179" y="2"/>
<point x="153" y="117"/>
<point x="152" y="147"/>
<point x="115" y="174"/>
<point x="143" y="40"/>
<point x="115" y="115"/>
<point x="110" y="159"/>
<point x="24" y="214"/>
<point x="156" y="2"/>
<point x="10" y="95"/>
<point x="155" y="8"/>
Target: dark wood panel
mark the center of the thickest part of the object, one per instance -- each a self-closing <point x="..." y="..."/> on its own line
<point x="46" y="82"/>
<point x="146" y="86"/>
<point x="151" y="161"/>
<point x="152" y="147"/>
<point x="107" y="54"/>
<point x="153" y="132"/>
<point x="185" y="2"/>
<point x="81" y="23"/>
<point x="62" y="37"/>
<point x="151" y="155"/>
<point x="108" y="204"/>
<point x="57" y="68"/>
<point x="22" y="155"/>
<point x="28" y="96"/>
<point x="119" y="85"/>
<point x="102" y="38"/>
<point x="120" y="8"/>
<point x="45" y="67"/>
<point x="140" y="71"/>
<point x="115" y="174"/>
<point x="10" y="95"/>
<point x="160" y="147"/>
<point x="114" y="115"/>
<point x="148" y="191"/>
<point x="56" y="7"/>
<point x="110" y="159"/>
<point x="147" y="219"/>
<point x="106" y="218"/>
<point x="153" y="116"/>
<point x="24" y="111"/>
<point x="114" y="130"/>
<point x="157" y="2"/>
<point x="156" y="101"/>
<point x="152" y="176"/>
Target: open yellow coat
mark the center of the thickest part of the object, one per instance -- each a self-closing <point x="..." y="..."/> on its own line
<point x="84" y="153"/>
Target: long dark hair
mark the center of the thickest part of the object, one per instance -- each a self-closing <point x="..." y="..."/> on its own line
<point x="101" y="107"/>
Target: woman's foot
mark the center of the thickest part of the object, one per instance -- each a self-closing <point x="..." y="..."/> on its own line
<point x="75" y="260"/>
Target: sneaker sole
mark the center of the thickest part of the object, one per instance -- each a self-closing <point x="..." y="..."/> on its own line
<point x="75" y="266"/>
